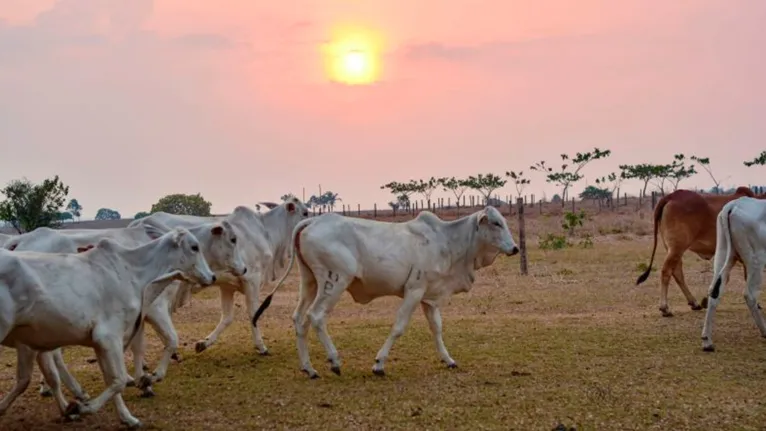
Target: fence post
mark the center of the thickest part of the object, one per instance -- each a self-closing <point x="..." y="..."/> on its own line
<point x="654" y="199"/>
<point x="522" y="238"/>
<point x="573" y="205"/>
<point x="374" y="210"/>
<point x="540" y="205"/>
<point x="344" y="209"/>
<point x="358" y="210"/>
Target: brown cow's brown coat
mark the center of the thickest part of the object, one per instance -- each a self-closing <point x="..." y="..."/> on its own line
<point x="687" y="221"/>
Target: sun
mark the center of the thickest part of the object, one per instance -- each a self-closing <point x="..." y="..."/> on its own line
<point x="353" y="56"/>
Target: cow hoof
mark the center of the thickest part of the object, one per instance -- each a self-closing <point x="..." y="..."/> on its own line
<point x="710" y="348"/>
<point x="312" y="374"/>
<point x="696" y="307"/>
<point x="703" y="304"/>
<point x="335" y="369"/>
<point x="145" y="367"/>
<point x="265" y="353"/>
<point x="131" y="384"/>
<point x="379" y="372"/>
<point x="73" y="411"/>
<point x="134" y="425"/>
<point x="82" y="398"/>
<point x="147" y="393"/>
<point x="46" y="393"/>
<point x="666" y="313"/>
<point x="200" y="346"/>
<point x="452" y="366"/>
<point x="144" y="382"/>
<point x="175" y="357"/>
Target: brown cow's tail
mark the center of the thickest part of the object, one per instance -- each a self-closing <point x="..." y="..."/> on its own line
<point x="295" y="250"/>
<point x="657" y="219"/>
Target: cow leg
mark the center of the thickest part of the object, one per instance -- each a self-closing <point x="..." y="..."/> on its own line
<point x="333" y="287"/>
<point x="411" y="299"/>
<point x="140" y="379"/>
<point x="434" y="317"/>
<point x="163" y="325"/>
<point x="252" y="288"/>
<point x="25" y="363"/>
<point x="227" y="317"/>
<point x="62" y="371"/>
<point x="672" y="260"/>
<point x="109" y="352"/>
<point x="678" y="276"/>
<point x="752" y="291"/>
<point x="307" y="295"/>
<point x="50" y="374"/>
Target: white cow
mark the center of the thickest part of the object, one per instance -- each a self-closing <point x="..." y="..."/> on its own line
<point x="424" y="261"/>
<point x="92" y="299"/>
<point x="5" y="238"/>
<point x="263" y="239"/>
<point x="218" y="243"/>
<point x="740" y="236"/>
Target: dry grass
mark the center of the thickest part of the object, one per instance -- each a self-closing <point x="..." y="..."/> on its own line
<point x="574" y="343"/>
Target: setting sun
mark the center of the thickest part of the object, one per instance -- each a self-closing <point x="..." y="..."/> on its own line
<point x="353" y="57"/>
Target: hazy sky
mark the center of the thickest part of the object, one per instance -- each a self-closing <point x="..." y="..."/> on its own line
<point x="130" y="100"/>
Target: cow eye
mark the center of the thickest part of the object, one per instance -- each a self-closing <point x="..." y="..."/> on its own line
<point x="195" y="248"/>
<point x="497" y="223"/>
<point x="234" y="240"/>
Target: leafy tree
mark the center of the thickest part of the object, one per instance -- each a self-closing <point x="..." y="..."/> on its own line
<point x="644" y="172"/>
<point x="518" y="181"/>
<point x="595" y="193"/>
<point x="759" y="160"/>
<point x="183" y="204"/>
<point x="704" y="163"/>
<point x="140" y="214"/>
<point x="328" y="199"/>
<point x="611" y="182"/>
<point x="427" y="188"/>
<point x="401" y="189"/>
<point x="64" y="216"/>
<point x="287" y="197"/>
<point x="28" y="206"/>
<point x="679" y="170"/>
<point x="74" y="208"/>
<point x="570" y="169"/>
<point x="107" y="214"/>
<point x="456" y="186"/>
<point x="485" y="184"/>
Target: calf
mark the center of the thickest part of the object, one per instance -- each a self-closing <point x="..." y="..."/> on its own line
<point x="92" y="299"/>
<point x="686" y="220"/>
<point x="741" y="236"/>
<point x="424" y="261"/>
<point x="264" y="240"/>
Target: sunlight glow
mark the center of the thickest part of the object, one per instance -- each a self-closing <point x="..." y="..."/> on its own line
<point x="352" y="56"/>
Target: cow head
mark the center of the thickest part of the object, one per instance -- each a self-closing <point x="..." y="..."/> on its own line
<point x="222" y="251"/>
<point x="186" y="258"/>
<point x="493" y="235"/>
<point x="294" y="206"/>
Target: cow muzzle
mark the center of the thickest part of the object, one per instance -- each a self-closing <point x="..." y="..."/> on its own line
<point x="514" y="251"/>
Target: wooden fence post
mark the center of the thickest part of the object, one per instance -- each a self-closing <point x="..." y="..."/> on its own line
<point x="374" y="210"/>
<point x="654" y="199"/>
<point x="573" y="205"/>
<point x="522" y="238"/>
<point x="358" y="209"/>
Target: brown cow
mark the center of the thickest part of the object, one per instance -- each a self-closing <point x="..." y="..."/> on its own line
<point x="687" y="221"/>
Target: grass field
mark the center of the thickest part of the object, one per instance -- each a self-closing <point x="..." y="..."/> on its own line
<point x="574" y="343"/>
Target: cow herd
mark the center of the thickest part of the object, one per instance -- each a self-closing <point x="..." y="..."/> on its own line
<point x="98" y="287"/>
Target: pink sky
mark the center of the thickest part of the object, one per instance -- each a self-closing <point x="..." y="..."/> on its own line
<point x="132" y="100"/>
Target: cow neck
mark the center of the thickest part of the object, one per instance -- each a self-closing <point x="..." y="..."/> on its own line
<point x="149" y="260"/>
<point x="275" y="222"/>
<point x="461" y="235"/>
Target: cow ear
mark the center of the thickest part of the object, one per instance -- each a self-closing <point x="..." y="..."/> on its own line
<point x="217" y="230"/>
<point x="178" y="237"/>
<point x="290" y="207"/>
<point x="482" y="217"/>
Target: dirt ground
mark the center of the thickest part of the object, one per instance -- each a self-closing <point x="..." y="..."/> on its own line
<point x="573" y="344"/>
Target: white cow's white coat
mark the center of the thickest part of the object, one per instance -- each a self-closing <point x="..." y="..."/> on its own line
<point x="93" y="299"/>
<point x="740" y="233"/>
<point x="424" y="261"/>
<point x="263" y="241"/>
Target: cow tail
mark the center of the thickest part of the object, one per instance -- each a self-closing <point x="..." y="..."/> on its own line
<point x="657" y="219"/>
<point x="295" y="249"/>
<point x="723" y="238"/>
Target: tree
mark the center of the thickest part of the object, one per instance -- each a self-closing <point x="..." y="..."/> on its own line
<point x="518" y="181"/>
<point x="402" y="191"/>
<point x="287" y="197"/>
<point x="140" y="214"/>
<point x="28" y="206"/>
<point x="426" y="188"/>
<point x="74" y="208"/>
<point x="566" y="177"/>
<point x="679" y="170"/>
<point x="327" y="200"/>
<point x="485" y="184"/>
<point x="64" y="216"/>
<point x="704" y="162"/>
<point x="644" y="172"/>
<point x="611" y="182"/>
<point x="759" y="160"/>
<point x="107" y="214"/>
<point x="595" y="194"/>
<point x="183" y="204"/>
<point x="456" y="186"/>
